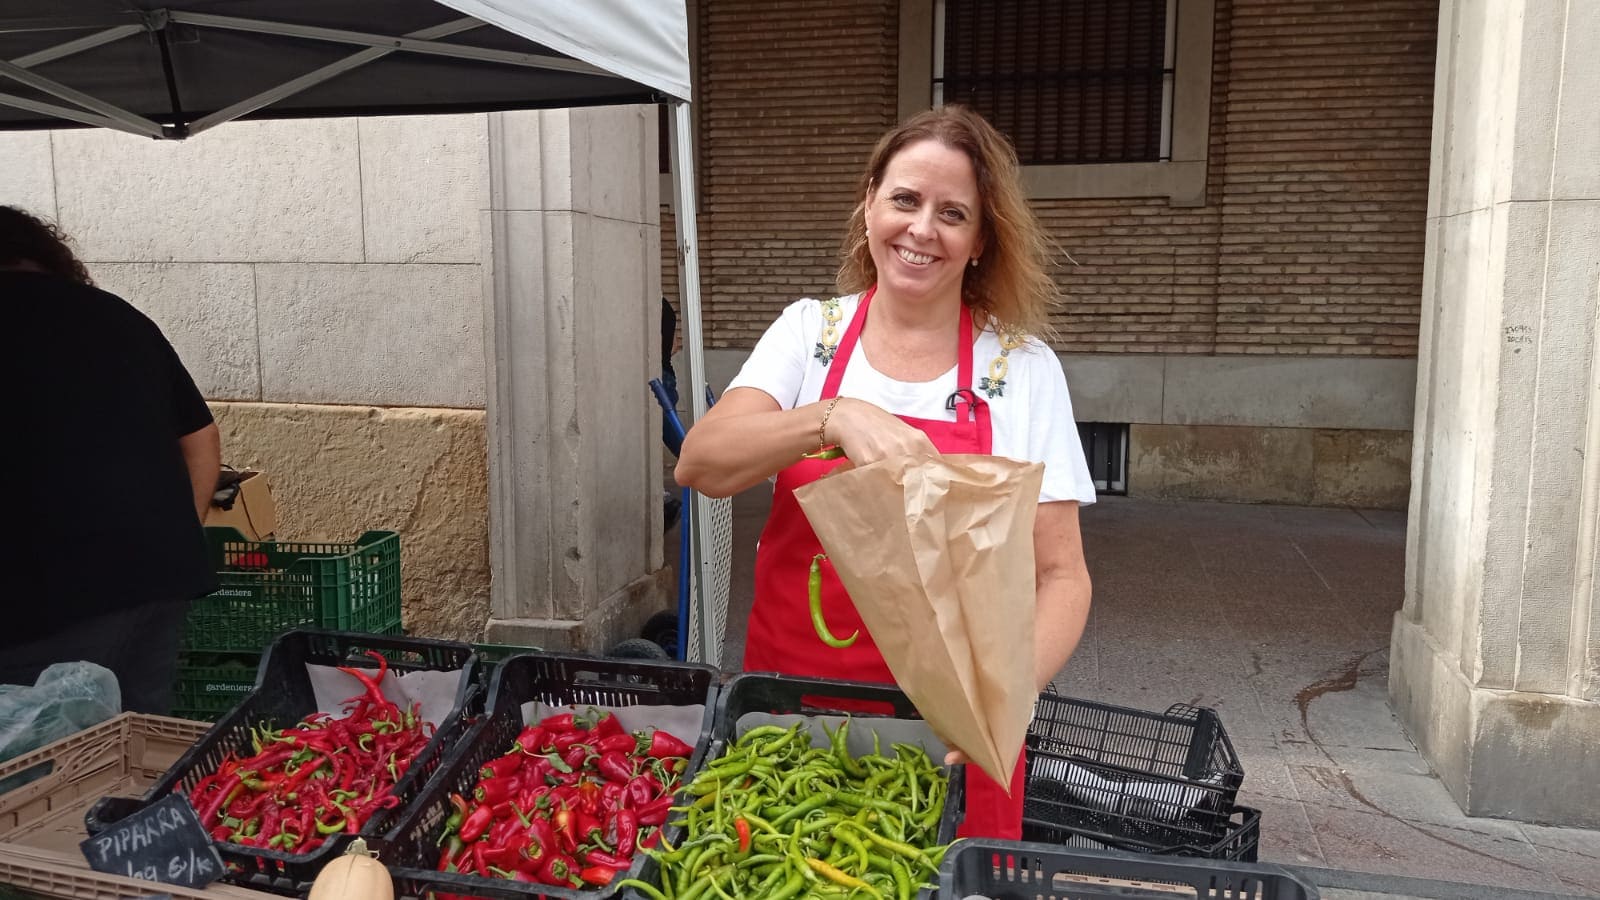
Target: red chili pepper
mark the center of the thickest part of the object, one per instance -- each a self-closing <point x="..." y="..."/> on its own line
<point x="663" y="745"/>
<point x="655" y="812"/>
<point x="613" y="795"/>
<point x="565" y="795"/>
<point x="508" y="852"/>
<point x="589" y="796"/>
<point x="566" y="828"/>
<point x="561" y="722"/>
<point x="607" y="726"/>
<point x="544" y="839"/>
<point x="591" y="831"/>
<point x="501" y="767"/>
<point x="374" y="694"/>
<point x="609" y="860"/>
<point x="565" y="740"/>
<point x="480" y="858"/>
<point x="598" y="876"/>
<point x="616" y="767"/>
<point x="742" y="827"/>
<point x="530" y="741"/>
<point x="626" y="823"/>
<point x="620" y="743"/>
<point x="559" y="870"/>
<point x="577" y="756"/>
<point x="497" y="790"/>
<point x="642" y="790"/>
<point x="476" y="823"/>
<point x="224" y="795"/>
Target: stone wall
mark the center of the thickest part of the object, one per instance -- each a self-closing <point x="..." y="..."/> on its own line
<point x="322" y="282"/>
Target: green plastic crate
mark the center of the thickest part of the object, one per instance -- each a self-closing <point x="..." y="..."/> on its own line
<point x="211" y="685"/>
<point x="269" y="587"/>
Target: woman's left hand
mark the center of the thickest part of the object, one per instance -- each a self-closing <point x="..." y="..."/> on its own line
<point x="956" y="758"/>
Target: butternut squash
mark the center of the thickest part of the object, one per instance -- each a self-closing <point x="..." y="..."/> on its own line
<point x="355" y="875"/>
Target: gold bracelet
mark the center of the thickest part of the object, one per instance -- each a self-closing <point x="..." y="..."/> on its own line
<point x="822" y="427"/>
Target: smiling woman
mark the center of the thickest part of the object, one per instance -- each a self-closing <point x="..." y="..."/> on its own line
<point x="944" y="266"/>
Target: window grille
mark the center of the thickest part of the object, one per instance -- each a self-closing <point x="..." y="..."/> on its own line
<point x="1069" y="81"/>
<point x="1105" y="447"/>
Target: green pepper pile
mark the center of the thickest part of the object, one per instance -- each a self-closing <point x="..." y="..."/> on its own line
<point x="777" y="819"/>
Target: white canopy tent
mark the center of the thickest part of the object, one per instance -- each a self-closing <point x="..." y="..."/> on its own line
<point x="171" y="69"/>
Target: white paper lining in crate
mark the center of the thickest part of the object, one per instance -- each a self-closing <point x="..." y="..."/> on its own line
<point x="682" y="722"/>
<point x="435" y="690"/>
<point x="1160" y="800"/>
<point x="859" y="739"/>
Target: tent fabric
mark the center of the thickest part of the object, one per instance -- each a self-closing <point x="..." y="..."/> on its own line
<point x="645" y="41"/>
<point x="179" y="61"/>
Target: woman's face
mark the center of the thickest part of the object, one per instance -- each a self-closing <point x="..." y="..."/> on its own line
<point x="923" y="222"/>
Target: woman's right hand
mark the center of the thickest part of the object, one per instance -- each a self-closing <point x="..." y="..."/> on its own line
<point x="867" y="433"/>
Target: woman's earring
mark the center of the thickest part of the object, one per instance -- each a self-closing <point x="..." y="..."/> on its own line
<point x="974" y="262"/>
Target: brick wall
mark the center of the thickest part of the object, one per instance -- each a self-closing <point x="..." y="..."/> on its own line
<point x="1329" y="115"/>
<point x="1311" y="241"/>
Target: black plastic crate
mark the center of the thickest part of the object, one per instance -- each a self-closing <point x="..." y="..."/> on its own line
<point x="1150" y="779"/>
<point x="283" y="696"/>
<point x="767" y="692"/>
<point x="785" y="695"/>
<point x="1005" y="870"/>
<point x="1238" y="834"/>
<point x="557" y="680"/>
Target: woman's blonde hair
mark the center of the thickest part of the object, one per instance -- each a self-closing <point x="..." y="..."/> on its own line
<point x="1009" y="282"/>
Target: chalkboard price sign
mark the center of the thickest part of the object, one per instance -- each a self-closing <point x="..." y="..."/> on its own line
<point x="163" y="842"/>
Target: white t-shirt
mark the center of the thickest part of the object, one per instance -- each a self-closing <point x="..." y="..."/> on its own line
<point x="1030" y="411"/>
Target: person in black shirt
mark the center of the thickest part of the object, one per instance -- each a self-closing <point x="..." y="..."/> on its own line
<point x="106" y="478"/>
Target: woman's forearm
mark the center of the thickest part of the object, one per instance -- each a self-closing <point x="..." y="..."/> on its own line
<point x="1062" y="613"/>
<point x="1062" y="588"/>
<point x="732" y="449"/>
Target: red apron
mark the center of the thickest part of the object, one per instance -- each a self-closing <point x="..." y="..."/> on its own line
<point x="780" y="637"/>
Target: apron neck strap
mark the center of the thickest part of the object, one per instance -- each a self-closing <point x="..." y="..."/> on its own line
<point x="847" y="346"/>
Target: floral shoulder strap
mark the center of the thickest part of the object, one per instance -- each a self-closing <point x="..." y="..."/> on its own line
<point x="994" y="384"/>
<point x="828" y="341"/>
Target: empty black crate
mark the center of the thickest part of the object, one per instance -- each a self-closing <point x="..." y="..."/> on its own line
<point x="1004" y="870"/>
<point x="556" y="680"/>
<point x="283" y="696"/>
<point x="1130" y="779"/>
<point x="1239" y="838"/>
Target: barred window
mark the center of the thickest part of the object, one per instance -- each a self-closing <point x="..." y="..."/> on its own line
<point x="1069" y="81"/>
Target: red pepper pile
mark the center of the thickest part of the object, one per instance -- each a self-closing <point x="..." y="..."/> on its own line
<point x="324" y="776"/>
<point x="568" y="805"/>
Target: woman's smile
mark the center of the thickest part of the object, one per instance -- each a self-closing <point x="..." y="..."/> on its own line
<point x="914" y="258"/>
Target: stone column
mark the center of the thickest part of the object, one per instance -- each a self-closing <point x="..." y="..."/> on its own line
<point x="1495" y="665"/>
<point x="573" y="284"/>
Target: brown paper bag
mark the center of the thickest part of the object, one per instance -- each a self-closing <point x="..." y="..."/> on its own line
<point x="937" y="554"/>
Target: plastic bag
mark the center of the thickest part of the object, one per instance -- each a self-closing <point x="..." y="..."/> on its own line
<point x="67" y="698"/>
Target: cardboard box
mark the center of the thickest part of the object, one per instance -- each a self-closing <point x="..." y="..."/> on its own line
<point x="252" y="512"/>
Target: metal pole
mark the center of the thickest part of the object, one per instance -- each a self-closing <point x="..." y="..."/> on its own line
<point x="685" y="216"/>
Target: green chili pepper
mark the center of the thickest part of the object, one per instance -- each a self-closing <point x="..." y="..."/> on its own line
<point x="814" y="586"/>
<point x="834" y="452"/>
<point x="648" y="890"/>
<point x="841" y="878"/>
<point x="902" y="880"/>
<point x="841" y="749"/>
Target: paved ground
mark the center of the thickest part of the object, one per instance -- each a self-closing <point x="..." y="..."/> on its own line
<point x="1279" y="618"/>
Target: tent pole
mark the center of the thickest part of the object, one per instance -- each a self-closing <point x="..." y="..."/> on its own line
<point x="685" y="215"/>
